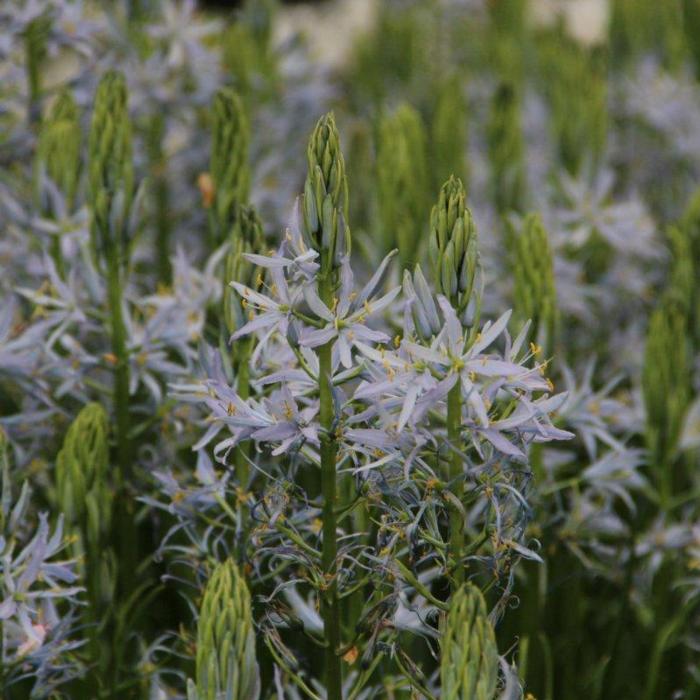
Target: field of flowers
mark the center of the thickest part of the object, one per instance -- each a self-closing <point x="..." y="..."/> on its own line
<point x="373" y="380"/>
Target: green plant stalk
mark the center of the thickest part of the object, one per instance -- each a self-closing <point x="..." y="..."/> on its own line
<point x="125" y="532"/>
<point x="330" y="604"/>
<point x="121" y="369"/>
<point x="243" y="388"/>
<point x="454" y="420"/>
<point x="161" y="197"/>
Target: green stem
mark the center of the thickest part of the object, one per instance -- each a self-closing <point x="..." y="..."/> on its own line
<point x="161" y="198"/>
<point x="330" y="604"/>
<point x="125" y="532"/>
<point x="121" y="369"/>
<point x="454" y="424"/>
<point x="242" y="363"/>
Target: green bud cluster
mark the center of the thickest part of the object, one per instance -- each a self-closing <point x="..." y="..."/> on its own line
<point x="225" y="661"/>
<point x="111" y="170"/>
<point x="325" y="202"/>
<point x="246" y="46"/>
<point x="81" y="471"/>
<point x="574" y="80"/>
<point x="666" y="384"/>
<point x="35" y="48"/>
<point x="58" y="151"/>
<point x="505" y="147"/>
<point x="449" y="132"/>
<point x="469" y="658"/>
<point x="229" y="167"/>
<point x="534" y="293"/>
<point x="247" y="237"/>
<point x="402" y="182"/>
<point x="453" y="248"/>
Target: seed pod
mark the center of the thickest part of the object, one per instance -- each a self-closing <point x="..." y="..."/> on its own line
<point x="402" y="182"/>
<point x="81" y="467"/>
<point x="505" y="146"/>
<point x="469" y="658"/>
<point x="453" y="249"/>
<point x="534" y="293"/>
<point x="325" y="202"/>
<point x="247" y="237"/>
<point x="666" y="381"/>
<point x="58" y="151"/>
<point x="111" y="171"/>
<point x="229" y="167"/>
<point x="226" y="664"/>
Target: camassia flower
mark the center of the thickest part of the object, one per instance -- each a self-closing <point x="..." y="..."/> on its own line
<point x="345" y="322"/>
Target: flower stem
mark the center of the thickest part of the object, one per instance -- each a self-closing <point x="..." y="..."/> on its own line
<point x="121" y="369"/>
<point x="454" y="421"/>
<point x="242" y="362"/>
<point x="330" y="604"/>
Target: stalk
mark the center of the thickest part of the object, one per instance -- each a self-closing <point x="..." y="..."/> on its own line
<point x="330" y="604"/>
<point x="324" y="211"/>
<point x="454" y="420"/>
<point x="121" y="367"/>
<point x="243" y="389"/>
<point x="161" y="197"/>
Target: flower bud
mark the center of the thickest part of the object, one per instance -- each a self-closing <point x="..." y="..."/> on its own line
<point x="58" y="151"/>
<point x="111" y="172"/>
<point x="246" y="237"/>
<point x="469" y="658"/>
<point x="453" y="246"/>
<point x="325" y="201"/>
<point x="534" y="293"/>
<point x="422" y="305"/>
<point x="229" y="167"/>
<point x="81" y="465"/>
<point x="226" y="663"/>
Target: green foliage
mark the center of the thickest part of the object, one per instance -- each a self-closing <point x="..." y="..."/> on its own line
<point x="402" y="175"/>
<point x="35" y="39"/>
<point x="469" y="656"/>
<point x="574" y="81"/>
<point x="391" y="57"/>
<point x="534" y="293"/>
<point x="226" y="662"/>
<point x="686" y="264"/>
<point x="641" y="27"/>
<point x="666" y="389"/>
